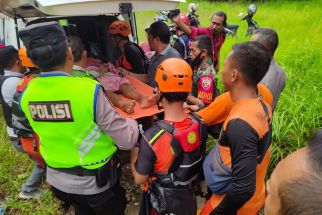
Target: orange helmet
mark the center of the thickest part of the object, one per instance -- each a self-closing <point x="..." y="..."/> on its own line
<point x="120" y="27"/>
<point x="25" y="60"/>
<point x="174" y="75"/>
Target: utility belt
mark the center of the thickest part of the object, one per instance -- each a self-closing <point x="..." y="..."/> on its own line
<point x="108" y="173"/>
<point x="164" y="200"/>
<point x="169" y="181"/>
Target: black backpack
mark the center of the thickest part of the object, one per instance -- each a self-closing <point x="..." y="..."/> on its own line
<point x="145" y="59"/>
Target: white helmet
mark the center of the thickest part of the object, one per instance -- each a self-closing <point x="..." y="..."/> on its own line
<point x="192" y="7"/>
<point x="252" y="9"/>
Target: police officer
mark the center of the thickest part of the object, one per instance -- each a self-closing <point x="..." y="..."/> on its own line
<point x="79" y="130"/>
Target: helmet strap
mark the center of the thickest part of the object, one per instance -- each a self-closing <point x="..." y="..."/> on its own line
<point x="159" y="100"/>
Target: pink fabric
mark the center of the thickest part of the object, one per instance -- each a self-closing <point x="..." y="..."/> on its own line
<point x="111" y="80"/>
<point x="185" y="19"/>
<point x="145" y="47"/>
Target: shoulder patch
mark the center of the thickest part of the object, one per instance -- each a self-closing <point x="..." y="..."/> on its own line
<point x="55" y="111"/>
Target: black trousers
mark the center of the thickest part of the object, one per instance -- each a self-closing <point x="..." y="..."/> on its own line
<point x="110" y="202"/>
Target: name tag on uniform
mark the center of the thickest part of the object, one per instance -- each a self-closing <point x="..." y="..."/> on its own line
<point x="57" y="111"/>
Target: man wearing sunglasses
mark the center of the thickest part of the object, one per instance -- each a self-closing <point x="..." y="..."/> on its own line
<point x="214" y="31"/>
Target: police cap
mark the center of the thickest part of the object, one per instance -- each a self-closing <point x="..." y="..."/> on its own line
<point x="42" y="34"/>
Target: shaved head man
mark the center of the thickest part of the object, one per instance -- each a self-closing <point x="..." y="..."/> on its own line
<point x="295" y="186"/>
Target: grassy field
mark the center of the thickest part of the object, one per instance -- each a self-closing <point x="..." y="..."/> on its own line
<point x="298" y="113"/>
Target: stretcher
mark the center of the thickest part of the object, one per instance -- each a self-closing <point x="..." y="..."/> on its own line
<point x="144" y="89"/>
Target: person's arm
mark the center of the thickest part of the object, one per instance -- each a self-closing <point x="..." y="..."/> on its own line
<point x="142" y="77"/>
<point x="195" y="101"/>
<point x="183" y="27"/>
<point x="138" y="178"/>
<point x="243" y="142"/>
<point x="9" y="88"/>
<point x="124" y="131"/>
<point x="217" y="111"/>
<point x="143" y="159"/>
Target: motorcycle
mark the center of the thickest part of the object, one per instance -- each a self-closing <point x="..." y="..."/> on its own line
<point x="230" y="29"/>
<point x="252" y="24"/>
<point x="193" y="17"/>
<point x="164" y="17"/>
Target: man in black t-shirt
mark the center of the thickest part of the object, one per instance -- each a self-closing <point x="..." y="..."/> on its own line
<point x="132" y="58"/>
<point x="170" y="154"/>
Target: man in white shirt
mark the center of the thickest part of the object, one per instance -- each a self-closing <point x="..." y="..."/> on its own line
<point x="13" y="72"/>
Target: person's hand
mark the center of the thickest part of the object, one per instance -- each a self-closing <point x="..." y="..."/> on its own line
<point x="185" y="105"/>
<point x="103" y="68"/>
<point x="123" y="72"/>
<point x="193" y="108"/>
<point x="176" y="18"/>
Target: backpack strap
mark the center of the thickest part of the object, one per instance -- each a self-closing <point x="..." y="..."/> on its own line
<point x="269" y="121"/>
<point x="145" y="59"/>
<point x="169" y="128"/>
<point x="203" y="131"/>
<point x="24" y="83"/>
<point x="266" y="111"/>
<point x="166" y="126"/>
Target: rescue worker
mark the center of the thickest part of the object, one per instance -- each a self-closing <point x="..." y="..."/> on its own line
<point x="26" y="62"/>
<point x="241" y="155"/>
<point x="217" y="112"/>
<point x="132" y="57"/>
<point x="13" y="73"/>
<point x="78" y="127"/>
<point x="29" y="140"/>
<point x="171" y="152"/>
<point x="204" y="87"/>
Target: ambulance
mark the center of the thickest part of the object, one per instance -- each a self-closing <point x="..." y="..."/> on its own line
<point x="88" y="19"/>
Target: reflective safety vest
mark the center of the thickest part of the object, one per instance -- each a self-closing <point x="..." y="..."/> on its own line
<point x="188" y="146"/>
<point x="61" y="110"/>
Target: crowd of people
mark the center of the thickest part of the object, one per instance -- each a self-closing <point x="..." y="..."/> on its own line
<point x="58" y="104"/>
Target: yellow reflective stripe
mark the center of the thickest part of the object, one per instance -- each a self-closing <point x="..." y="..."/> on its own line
<point x="172" y="151"/>
<point x="156" y="136"/>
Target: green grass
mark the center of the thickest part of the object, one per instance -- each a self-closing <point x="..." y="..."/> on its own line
<point x="299" y="110"/>
<point x="298" y="113"/>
